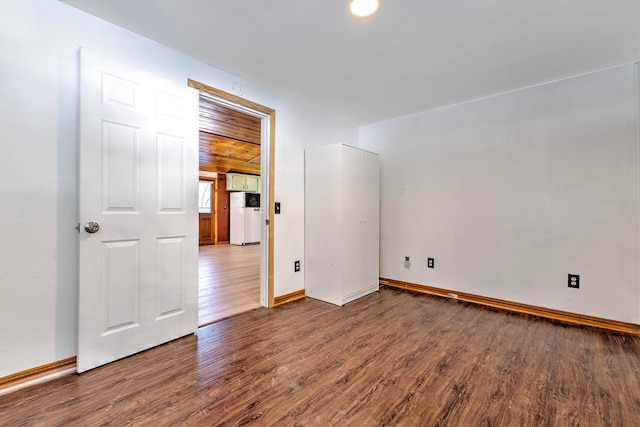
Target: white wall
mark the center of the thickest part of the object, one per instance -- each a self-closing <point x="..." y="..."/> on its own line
<point x="511" y="193"/>
<point x="39" y="42"/>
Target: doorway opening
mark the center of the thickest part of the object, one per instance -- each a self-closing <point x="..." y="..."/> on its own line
<point x="236" y="163"/>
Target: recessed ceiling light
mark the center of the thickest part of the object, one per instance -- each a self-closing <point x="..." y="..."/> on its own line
<point x="363" y="7"/>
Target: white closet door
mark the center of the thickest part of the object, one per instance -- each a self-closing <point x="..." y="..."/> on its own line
<point x="138" y="172"/>
<point x="352" y="221"/>
<point x="323" y="224"/>
<point x="371" y="219"/>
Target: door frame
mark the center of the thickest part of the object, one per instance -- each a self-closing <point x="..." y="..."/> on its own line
<point x="267" y="117"/>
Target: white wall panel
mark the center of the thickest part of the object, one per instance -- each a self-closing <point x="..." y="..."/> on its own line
<point x="171" y="276"/>
<point x="170" y="173"/>
<point x="121" y="284"/>
<point x="119" y="92"/>
<point x="168" y="105"/>
<point x="121" y="169"/>
<point x="511" y="193"/>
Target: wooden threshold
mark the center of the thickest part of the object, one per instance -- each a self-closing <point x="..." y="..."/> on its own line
<point x="287" y="298"/>
<point x="37" y="375"/>
<point x="549" y="313"/>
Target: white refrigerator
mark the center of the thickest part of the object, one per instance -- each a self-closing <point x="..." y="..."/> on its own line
<point x="244" y="221"/>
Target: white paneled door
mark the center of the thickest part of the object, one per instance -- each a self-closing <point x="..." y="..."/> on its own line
<point x="138" y="211"/>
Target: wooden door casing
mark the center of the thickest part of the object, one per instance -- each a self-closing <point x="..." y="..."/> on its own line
<point x="267" y="167"/>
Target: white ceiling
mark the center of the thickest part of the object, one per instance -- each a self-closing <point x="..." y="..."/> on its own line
<point x="413" y="55"/>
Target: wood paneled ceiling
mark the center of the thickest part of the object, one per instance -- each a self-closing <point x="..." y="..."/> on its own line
<point x="229" y="139"/>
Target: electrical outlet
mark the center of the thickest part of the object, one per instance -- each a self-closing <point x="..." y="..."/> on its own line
<point x="431" y="263"/>
<point x="407" y="262"/>
<point x="296" y="266"/>
<point x="574" y="281"/>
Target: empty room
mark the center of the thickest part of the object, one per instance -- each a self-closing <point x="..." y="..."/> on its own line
<point x="427" y="213"/>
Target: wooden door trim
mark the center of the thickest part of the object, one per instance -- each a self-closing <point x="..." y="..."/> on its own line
<point x="37" y="375"/>
<point x="214" y="209"/>
<point x="549" y="313"/>
<point x="271" y="114"/>
<point x="291" y="297"/>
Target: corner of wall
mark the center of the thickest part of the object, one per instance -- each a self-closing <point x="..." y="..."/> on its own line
<point x="637" y="183"/>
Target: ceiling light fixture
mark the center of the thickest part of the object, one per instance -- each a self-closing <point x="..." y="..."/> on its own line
<point x="363" y="8"/>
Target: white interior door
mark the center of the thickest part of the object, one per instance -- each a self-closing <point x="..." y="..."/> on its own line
<point x="138" y="272"/>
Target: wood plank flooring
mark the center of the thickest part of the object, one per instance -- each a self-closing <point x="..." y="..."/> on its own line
<point x="228" y="281"/>
<point x="390" y="358"/>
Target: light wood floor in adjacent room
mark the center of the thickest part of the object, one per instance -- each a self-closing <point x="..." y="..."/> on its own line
<point x="228" y="281"/>
<point x="390" y="358"/>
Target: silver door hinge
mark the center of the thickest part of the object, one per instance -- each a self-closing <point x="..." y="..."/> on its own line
<point x="266" y="221"/>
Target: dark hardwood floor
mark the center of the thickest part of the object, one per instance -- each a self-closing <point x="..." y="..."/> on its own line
<point x="390" y="358"/>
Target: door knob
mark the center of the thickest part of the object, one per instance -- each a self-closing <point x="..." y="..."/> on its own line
<point x="91" y="227"/>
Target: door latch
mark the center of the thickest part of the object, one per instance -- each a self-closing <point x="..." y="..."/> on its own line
<point x="91" y="227"/>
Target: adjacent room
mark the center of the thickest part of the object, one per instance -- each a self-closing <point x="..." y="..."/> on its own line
<point x="229" y="220"/>
<point x="320" y="213"/>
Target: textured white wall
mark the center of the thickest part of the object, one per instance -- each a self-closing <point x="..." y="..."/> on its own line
<point x="307" y="130"/>
<point x="39" y="42"/>
<point x="513" y="192"/>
